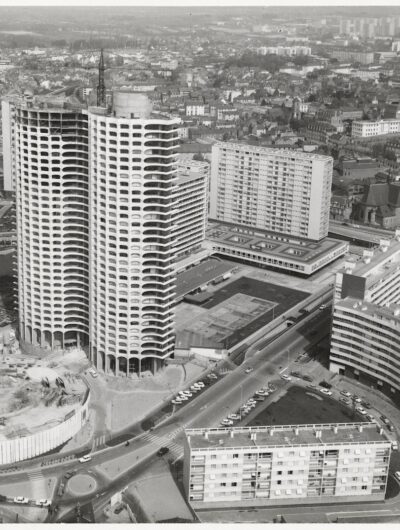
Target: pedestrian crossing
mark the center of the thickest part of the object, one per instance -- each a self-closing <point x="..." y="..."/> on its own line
<point x="38" y="484"/>
<point x="176" y="450"/>
<point x="98" y="441"/>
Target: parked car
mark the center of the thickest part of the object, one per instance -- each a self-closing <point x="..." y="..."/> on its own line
<point x="395" y="446"/>
<point x="370" y="417"/>
<point x="286" y="377"/>
<point x="260" y="393"/>
<point x="325" y="391"/>
<point x="249" y="370"/>
<point x="397" y="475"/>
<point x="234" y="417"/>
<point x="385" y="419"/>
<point x="344" y="400"/>
<point x="307" y="378"/>
<point x="43" y="502"/>
<point x="390" y="427"/>
<point x="345" y="393"/>
<point x="356" y="399"/>
<point x="322" y="307"/>
<point x="162" y="451"/>
<point x="361" y="411"/>
<point x="21" y="500"/>
<point x="200" y="384"/>
<point x="226" y="422"/>
<point x="85" y="458"/>
<point x="365" y="404"/>
<point x="260" y="398"/>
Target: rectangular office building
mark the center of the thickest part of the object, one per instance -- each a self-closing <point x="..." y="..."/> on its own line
<point x="285" y="464"/>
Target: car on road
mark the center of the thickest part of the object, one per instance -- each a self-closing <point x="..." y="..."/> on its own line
<point x="60" y="491"/>
<point x="162" y="451"/>
<point x="325" y="391"/>
<point x="43" y="502"/>
<point x="85" y="458"/>
<point x="21" y="500"/>
<point x="361" y="411"/>
<point x="249" y="370"/>
<point x="69" y="474"/>
<point x="322" y="307"/>
<point x="397" y="475"/>
<point x="344" y="400"/>
<point x="345" y="393"/>
<point x="286" y="377"/>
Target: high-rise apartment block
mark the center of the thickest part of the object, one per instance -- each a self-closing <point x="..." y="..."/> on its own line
<point x="46" y="163"/>
<point x="98" y="227"/>
<point x="192" y="205"/>
<point x="285" y="464"/>
<point x="365" y="338"/>
<point x="279" y="190"/>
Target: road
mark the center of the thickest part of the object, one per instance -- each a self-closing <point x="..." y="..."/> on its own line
<point x="207" y="409"/>
<point x="359" y="232"/>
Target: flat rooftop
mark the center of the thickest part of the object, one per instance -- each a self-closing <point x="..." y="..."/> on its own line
<point x="292" y="248"/>
<point x="377" y="264"/>
<point x="286" y="436"/>
<point x="390" y="312"/>
<point x="272" y="150"/>
<point x="201" y="274"/>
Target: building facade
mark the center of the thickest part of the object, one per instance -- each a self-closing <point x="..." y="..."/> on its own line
<point x="132" y="217"/>
<point x="366" y="129"/>
<point x="192" y="206"/>
<point x="279" y="190"/>
<point x="97" y="199"/>
<point x="47" y="166"/>
<point x="365" y="339"/>
<point x="285" y="464"/>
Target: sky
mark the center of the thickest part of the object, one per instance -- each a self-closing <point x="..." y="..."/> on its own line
<point x="183" y="3"/>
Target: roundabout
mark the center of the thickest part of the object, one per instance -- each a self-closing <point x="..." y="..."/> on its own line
<point x="81" y="484"/>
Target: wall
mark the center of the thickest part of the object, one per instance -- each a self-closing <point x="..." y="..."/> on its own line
<point x="24" y="447"/>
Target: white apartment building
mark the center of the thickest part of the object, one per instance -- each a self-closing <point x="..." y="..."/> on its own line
<point x="96" y="225"/>
<point x="285" y="464"/>
<point x="46" y="163"/>
<point x="195" y="109"/>
<point x="366" y="129"/>
<point x="279" y="190"/>
<point x="192" y="206"/>
<point x="365" y="338"/>
<point x="132" y="218"/>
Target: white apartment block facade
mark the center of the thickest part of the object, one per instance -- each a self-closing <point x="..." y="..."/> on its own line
<point x="279" y="190"/>
<point x="366" y="129"/>
<point x="195" y="109"/>
<point x="96" y="224"/>
<point x="192" y="206"/>
<point x="285" y="464"/>
<point x="365" y="338"/>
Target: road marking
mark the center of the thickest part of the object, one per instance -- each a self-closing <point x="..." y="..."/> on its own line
<point x="284" y="370"/>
